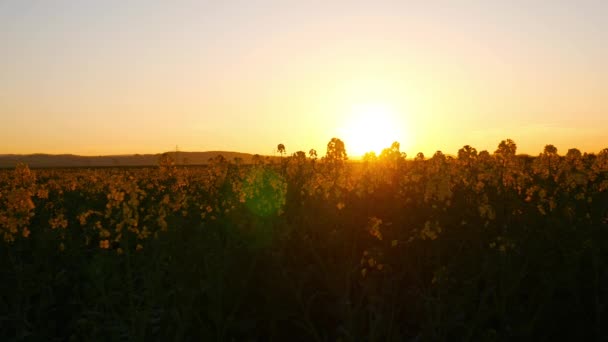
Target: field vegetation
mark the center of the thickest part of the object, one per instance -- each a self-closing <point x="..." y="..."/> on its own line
<point x="477" y="247"/>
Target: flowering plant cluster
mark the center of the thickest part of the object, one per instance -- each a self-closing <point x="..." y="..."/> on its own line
<point x="471" y="246"/>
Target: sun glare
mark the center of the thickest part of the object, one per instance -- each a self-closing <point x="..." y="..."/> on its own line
<point x="371" y="128"/>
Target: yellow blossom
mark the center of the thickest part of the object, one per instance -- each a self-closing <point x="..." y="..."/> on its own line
<point x="104" y="244"/>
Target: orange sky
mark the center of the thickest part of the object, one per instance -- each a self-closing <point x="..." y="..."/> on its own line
<point x="113" y="78"/>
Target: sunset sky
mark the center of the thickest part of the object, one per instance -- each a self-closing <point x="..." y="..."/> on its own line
<point x="124" y="77"/>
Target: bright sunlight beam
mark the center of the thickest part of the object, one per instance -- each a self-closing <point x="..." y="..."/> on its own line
<point x="371" y="127"/>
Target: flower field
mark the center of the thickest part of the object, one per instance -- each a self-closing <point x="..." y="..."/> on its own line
<point x="477" y="246"/>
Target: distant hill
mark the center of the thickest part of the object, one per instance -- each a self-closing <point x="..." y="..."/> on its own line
<point x="71" y="160"/>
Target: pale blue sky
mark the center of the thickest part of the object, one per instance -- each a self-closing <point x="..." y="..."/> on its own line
<point x="102" y="77"/>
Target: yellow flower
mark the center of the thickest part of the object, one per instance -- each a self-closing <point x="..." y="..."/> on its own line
<point x="340" y="205"/>
<point x="394" y="243"/>
<point x="374" y="227"/>
<point x="104" y="244"/>
<point x="139" y="247"/>
<point x="43" y="193"/>
<point x="58" y="222"/>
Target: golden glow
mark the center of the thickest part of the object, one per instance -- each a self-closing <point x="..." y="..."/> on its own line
<point x="372" y="127"/>
<point x="368" y="74"/>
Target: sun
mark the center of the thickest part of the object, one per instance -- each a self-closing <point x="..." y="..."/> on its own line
<point x="371" y="127"/>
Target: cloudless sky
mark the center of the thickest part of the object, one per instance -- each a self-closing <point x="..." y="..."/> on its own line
<point x="122" y="77"/>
